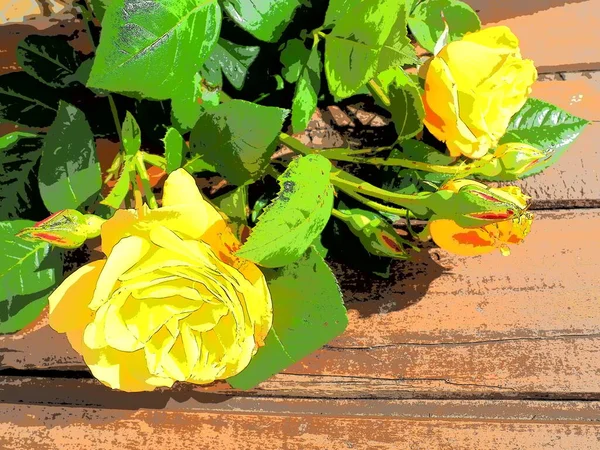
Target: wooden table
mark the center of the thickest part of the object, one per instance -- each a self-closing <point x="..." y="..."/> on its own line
<point x="449" y="353"/>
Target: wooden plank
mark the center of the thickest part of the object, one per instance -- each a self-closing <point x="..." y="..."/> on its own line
<point x="89" y="393"/>
<point x="65" y="428"/>
<point x="559" y="35"/>
<point x="442" y="326"/>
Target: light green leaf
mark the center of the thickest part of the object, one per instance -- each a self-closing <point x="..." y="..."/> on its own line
<point x="265" y="19"/>
<point x="545" y="127"/>
<point x="69" y="174"/>
<point x="186" y="104"/>
<point x="237" y="138"/>
<point x="19" y="193"/>
<point x="234" y="60"/>
<point x="132" y="135"/>
<point x="147" y="48"/>
<point x="28" y="273"/>
<point x="427" y="25"/>
<point x="405" y="105"/>
<point x="117" y="195"/>
<point x="25" y="100"/>
<point x="49" y="59"/>
<point x="307" y="91"/>
<point x="174" y="149"/>
<point x="296" y="217"/>
<point x="354" y="47"/>
<point x="308" y="312"/>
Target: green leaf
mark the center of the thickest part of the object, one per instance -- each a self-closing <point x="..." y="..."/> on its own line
<point x="307" y="91"/>
<point x="69" y="175"/>
<point x="238" y="138"/>
<point x="234" y="205"/>
<point x="308" y="312"/>
<point x="49" y="59"/>
<point x="397" y="50"/>
<point x="25" y="100"/>
<point x="148" y="48"/>
<point x="405" y="105"/>
<point x="28" y="273"/>
<point x="117" y="195"/>
<point x="19" y="193"/>
<point x="265" y="19"/>
<point x="293" y="58"/>
<point x="296" y="217"/>
<point x="427" y="25"/>
<point x="99" y="8"/>
<point x="185" y="104"/>
<point x="234" y="60"/>
<point x="545" y="127"/>
<point x="132" y="135"/>
<point x="174" y="149"/>
<point x="354" y="47"/>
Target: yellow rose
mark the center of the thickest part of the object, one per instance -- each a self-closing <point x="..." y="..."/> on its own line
<point x="170" y="302"/>
<point x="471" y="241"/>
<point x="472" y="89"/>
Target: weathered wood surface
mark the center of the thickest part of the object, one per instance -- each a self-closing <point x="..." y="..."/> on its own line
<point x="524" y="326"/>
<point x="78" y="428"/>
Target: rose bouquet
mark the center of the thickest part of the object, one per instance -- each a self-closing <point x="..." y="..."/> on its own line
<point x="195" y="282"/>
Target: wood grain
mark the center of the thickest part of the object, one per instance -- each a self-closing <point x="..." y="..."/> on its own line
<point x="74" y="428"/>
<point x="442" y="326"/>
<point x="559" y="35"/>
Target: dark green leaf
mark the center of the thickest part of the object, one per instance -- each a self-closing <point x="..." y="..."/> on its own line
<point x="238" y="138"/>
<point x="99" y="8"/>
<point x="28" y="272"/>
<point x="49" y="59"/>
<point x="174" y="149"/>
<point x="25" y="100"/>
<point x="234" y="60"/>
<point x="354" y="47"/>
<point x="308" y="312"/>
<point x="147" y="48"/>
<point x="234" y="205"/>
<point x="19" y="193"/>
<point x="296" y="217"/>
<point x="545" y="127"/>
<point x="265" y="19"/>
<point x="411" y="181"/>
<point x="293" y="57"/>
<point x="427" y="25"/>
<point x="307" y="92"/>
<point x="132" y="136"/>
<point x="69" y="175"/>
<point x="406" y="104"/>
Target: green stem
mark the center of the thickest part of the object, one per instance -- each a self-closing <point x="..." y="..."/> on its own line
<point x="340" y="215"/>
<point x="115" y="114"/>
<point x="377" y="91"/>
<point x="348" y="155"/>
<point x="155" y="160"/>
<point x="140" y="168"/>
<point x="377" y="206"/>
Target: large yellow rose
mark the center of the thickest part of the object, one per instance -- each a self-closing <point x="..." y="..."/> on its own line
<point x="472" y="89"/>
<point x="170" y="302"/>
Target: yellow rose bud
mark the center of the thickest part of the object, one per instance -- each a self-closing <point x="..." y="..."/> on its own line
<point x="473" y="87"/>
<point x="448" y="235"/>
<point x="170" y="302"/>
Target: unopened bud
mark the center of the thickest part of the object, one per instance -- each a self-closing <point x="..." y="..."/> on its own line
<point x="472" y="204"/>
<point x="65" y="229"/>
<point x="376" y="235"/>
